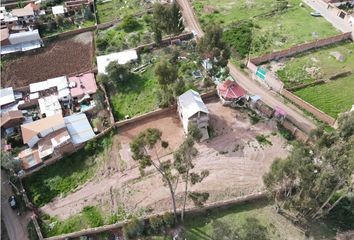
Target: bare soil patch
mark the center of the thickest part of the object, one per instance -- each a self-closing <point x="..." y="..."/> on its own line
<point x="235" y="159"/>
<point x="63" y="57"/>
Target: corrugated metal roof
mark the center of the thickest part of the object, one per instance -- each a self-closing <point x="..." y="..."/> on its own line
<point x="191" y="103"/>
<point x="6" y="96"/>
<point x="79" y="128"/>
<point x="121" y="57"/>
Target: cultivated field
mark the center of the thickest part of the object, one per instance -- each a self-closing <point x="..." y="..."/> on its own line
<point x="333" y="64"/>
<point x="274" y="29"/>
<point x="235" y="159"/>
<point x="63" y="57"/>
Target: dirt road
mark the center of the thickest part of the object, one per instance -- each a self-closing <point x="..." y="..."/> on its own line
<point x="234" y="158"/>
<point x="16" y="226"/>
<point x="269" y="97"/>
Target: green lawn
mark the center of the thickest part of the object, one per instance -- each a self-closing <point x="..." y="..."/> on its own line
<point x="332" y="98"/>
<point x="323" y="63"/>
<point x="136" y="96"/>
<point x="111" y="10"/>
<point x="278" y="31"/>
<point x="242" y="217"/>
<point x="66" y="174"/>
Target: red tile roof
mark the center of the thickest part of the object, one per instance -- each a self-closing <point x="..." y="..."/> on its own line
<point x="231" y="90"/>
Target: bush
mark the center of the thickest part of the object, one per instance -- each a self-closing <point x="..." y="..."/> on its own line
<point x="32" y="233"/>
<point x="239" y="37"/>
<point x="168" y="219"/>
<point x="129" y="23"/>
<point x="156" y="224"/>
<point x="134" y="228"/>
<point x="93" y="216"/>
<point x="285" y="133"/>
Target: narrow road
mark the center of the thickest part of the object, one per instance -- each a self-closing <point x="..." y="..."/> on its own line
<point x="269" y="97"/>
<point x="16" y="226"/>
<point x="320" y="6"/>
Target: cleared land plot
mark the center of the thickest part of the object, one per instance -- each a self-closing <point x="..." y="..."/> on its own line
<point x="248" y="218"/>
<point x="72" y="55"/>
<point x="274" y="31"/>
<point x="332" y="98"/>
<point x="110" y="10"/>
<point x="315" y="65"/>
<point x="234" y="157"/>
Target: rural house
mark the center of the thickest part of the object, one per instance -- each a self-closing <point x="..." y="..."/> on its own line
<point x="22" y="41"/>
<point x="230" y="92"/>
<point x="76" y="5"/>
<point x="192" y="109"/>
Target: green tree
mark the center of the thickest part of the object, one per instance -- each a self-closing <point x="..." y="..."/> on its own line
<point x="87" y="14"/>
<point x="175" y="20"/>
<point x="183" y="163"/>
<point x="313" y="180"/>
<point x="213" y="47"/>
<point x="145" y="148"/>
<point x="166" y="73"/>
<point x="194" y="131"/>
<point x="10" y="163"/>
<point x="117" y="72"/>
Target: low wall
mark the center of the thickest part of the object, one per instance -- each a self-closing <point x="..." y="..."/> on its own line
<point x="305" y="85"/>
<point x="308" y="107"/>
<point x="300" y="135"/>
<point x="69" y="33"/>
<point x="189" y="211"/>
<point x="301" y="48"/>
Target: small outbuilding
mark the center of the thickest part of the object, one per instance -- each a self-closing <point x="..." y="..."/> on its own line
<point x="6" y="96"/>
<point x="192" y="109"/>
<point x="79" y="128"/>
<point x="230" y="92"/>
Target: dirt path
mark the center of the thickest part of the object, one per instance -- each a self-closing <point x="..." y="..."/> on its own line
<point x="16" y="226"/>
<point x="269" y="97"/>
<point x="234" y="158"/>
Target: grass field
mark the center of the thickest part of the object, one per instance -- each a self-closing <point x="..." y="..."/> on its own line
<point x="109" y="10"/>
<point x="66" y="174"/>
<point x="332" y="98"/>
<point x="280" y="30"/>
<point x="136" y="96"/>
<point x="324" y="65"/>
<point x="249" y="216"/>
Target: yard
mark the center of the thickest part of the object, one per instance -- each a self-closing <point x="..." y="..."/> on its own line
<point x="114" y="9"/>
<point x="58" y="58"/>
<point x="315" y="65"/>
<point x="332" y="98"/>
<point x="235" y="157"/>
<point x="276" y="27"/>
<point x="257" y="218"/>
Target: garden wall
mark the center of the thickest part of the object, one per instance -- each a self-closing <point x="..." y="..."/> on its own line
<point x="301" y="48"/>
<point x="189" y="211"/>
<point x="308" y="107"/>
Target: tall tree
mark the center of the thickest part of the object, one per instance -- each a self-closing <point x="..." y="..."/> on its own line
<point x="117" y="73"/>
<point x="9" y="163"/>
<point x="183" y="163"/>
<point x="175" y="20"/>
<point x="145" y="150"/>
<point x="213" y="47"/>
<point x="166" y="73"/>
<point x="310" y="179"/>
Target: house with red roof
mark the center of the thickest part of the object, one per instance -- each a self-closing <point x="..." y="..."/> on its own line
<point x="230" y="92"/>
<point x="82" y="84"/>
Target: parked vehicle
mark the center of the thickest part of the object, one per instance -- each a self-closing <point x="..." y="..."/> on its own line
<point x="13" y="202"/>
<point x="316" y="14"/>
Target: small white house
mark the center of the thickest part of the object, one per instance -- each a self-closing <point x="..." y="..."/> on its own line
<point x="191" y="108"/>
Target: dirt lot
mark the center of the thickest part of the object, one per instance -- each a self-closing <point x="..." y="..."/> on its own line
<point x="59" y="58"/>
<point x="235" y="159"/>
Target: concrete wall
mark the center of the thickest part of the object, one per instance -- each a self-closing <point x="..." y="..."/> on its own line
<point x="308" y="107"/>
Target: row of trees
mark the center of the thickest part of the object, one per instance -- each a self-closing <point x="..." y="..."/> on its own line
<point x="147" y="149"/>
<point x="313" y="180"/>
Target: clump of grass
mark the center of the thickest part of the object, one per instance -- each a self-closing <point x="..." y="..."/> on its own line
<point x="263" y="140"/>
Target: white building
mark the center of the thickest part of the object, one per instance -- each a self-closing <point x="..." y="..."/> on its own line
<point x="191" y="108"/>
<point x="121" y="57"/>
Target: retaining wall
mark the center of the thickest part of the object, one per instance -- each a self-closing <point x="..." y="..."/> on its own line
<point x="308" y="107"/>
<point x="189" y="211"/>
<point x="301" y="48"/>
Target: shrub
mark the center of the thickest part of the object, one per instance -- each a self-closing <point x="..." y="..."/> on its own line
<point x="32" y="234"/>
<point x="129" y="23"/>
<point x="262" y="140"/>
<point x="93" y="216"/>
<point x="168" y="219"/>
<point x="239" y="37"/>
<point x="156" y="224"/>
<point x="134" y="228"/>
<point x="285" y="133"/>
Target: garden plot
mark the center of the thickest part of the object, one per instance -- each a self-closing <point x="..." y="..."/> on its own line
<point x="275" y="28"/>
<point x="109" y="10"/>
<point x="333" y="64"/>
<point x="235" y="158"/>
<point x="139" y="94"/>
<point x="63" y="57"/>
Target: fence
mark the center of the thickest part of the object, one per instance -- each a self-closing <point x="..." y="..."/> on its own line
<point x="308" y="107"/>
<point x="189" y="211"/>
<point x="301" y="48"/>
